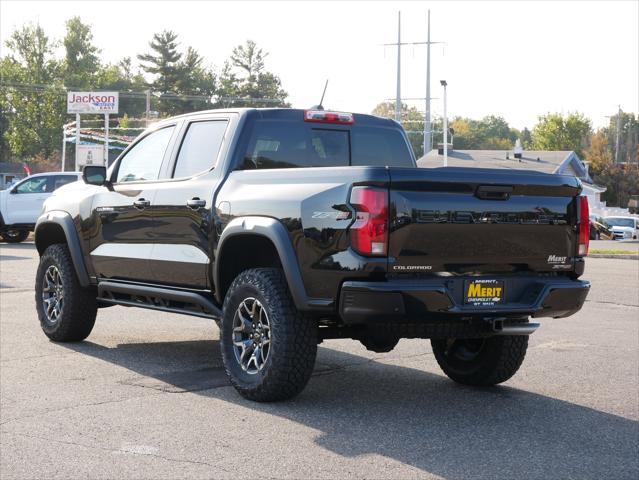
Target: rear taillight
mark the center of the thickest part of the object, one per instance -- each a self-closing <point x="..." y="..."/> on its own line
<point x="320" y="116"/>
<point x="584" y="226"/>
<point x="369" y="232"/>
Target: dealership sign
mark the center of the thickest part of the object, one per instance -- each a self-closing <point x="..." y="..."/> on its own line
<point x="92" y="102"/>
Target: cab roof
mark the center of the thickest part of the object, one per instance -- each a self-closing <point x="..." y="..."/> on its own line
<point x="290" y="114"/>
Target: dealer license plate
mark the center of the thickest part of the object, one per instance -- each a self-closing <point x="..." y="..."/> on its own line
<point x="484" y="292"/>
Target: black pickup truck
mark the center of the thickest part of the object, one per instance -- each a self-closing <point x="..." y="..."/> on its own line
<point x="289" y="227"/>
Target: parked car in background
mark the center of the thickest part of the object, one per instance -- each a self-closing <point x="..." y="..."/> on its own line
<point x="599" y="229"/>
<point x="20" y="205"/>
<point x="624" y="228"/>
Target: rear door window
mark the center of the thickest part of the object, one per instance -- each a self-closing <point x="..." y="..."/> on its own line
<point x="200" y="147"/>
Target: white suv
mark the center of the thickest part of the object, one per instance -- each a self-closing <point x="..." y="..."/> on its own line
<point x="21" y="204"/>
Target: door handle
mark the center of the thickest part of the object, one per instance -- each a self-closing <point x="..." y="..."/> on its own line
<point x="141" y="203"/>
<point x="196" y="203"/>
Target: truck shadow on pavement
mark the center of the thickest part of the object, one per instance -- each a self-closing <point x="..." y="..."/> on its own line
<point x="360" y="406"/>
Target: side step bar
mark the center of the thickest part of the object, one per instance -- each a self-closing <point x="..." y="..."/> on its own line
<point x="158" y="298"/>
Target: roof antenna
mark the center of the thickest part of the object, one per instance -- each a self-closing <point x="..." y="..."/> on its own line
<point x="320" y="107"/>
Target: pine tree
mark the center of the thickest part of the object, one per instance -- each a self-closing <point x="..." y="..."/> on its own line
<point x="164" y="65"/>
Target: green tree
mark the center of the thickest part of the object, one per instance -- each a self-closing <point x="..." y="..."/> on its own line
<point x="620" y="180"/>
<point x="249" y="58"/>
<point x="489" y="133"/>
<point x="628" y="136"/>
<point x="163" y="64"/>
<point x="556" y="132"/>
<point x="32" y="101"/>
<point x="121" y="78"/>
<point x="81" y="62"/>
<point x="196" y="83"/>
<point x="526" y="139"/>
<point x="245" y="82"/>
<point x="181" y="80"/>
<point x="599" y="154"/>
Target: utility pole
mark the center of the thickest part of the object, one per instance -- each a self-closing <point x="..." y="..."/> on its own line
<point x="398" y="97"/>
<point x="428" y="141"/>
<point x="428" y="134"/>
<point x="617" y="136"/>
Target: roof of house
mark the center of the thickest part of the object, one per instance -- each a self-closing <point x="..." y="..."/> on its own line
<point x="11" y="167"/>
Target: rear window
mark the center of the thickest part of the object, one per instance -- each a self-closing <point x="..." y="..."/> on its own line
<point x="281" y="144"/>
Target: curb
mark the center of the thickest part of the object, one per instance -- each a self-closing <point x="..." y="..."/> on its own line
<point x="621" y="256"/>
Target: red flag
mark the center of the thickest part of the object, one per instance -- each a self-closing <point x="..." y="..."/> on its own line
<point x="26" y="168"/>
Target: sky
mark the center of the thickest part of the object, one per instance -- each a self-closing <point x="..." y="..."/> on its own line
<point x="514" y="59"/>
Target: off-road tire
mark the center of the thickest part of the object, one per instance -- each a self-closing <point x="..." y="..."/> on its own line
<point x="79" y="307"/>
<point x="17" y="236"/>
<point x="293" y="338"/>
<point x="497" y="360"/>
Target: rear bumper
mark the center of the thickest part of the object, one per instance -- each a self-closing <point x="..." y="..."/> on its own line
<point x="417" y="300"/>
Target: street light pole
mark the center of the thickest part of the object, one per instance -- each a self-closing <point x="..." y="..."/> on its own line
<point x="444" y="84"/>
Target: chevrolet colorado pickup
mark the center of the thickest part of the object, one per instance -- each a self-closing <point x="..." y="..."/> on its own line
<point x="289" y="227"/>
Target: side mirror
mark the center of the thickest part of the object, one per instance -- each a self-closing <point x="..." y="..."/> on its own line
<point x="94" y="175"/>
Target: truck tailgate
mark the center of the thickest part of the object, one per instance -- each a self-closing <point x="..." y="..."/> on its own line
<point x="479" y="221"/>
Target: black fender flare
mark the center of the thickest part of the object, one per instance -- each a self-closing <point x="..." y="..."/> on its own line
<point x="277" y="234"/>
<point x="64" y="220"/>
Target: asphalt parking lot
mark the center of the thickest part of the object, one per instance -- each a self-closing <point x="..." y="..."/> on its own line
<point x="146" y="397"/>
